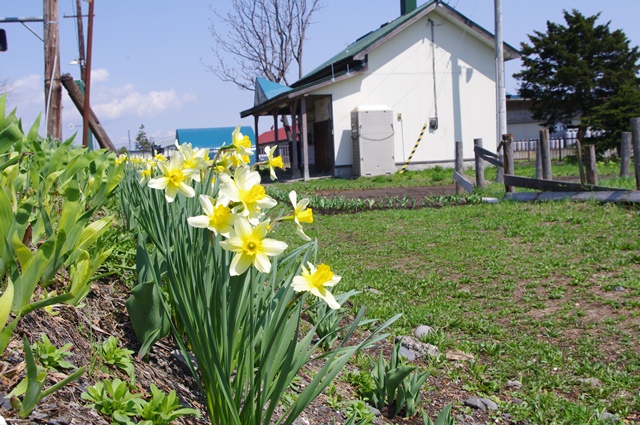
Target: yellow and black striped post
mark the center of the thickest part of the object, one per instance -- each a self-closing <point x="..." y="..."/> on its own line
<point x="406" y="164"/>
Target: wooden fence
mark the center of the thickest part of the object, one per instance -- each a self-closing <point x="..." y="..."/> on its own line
<point x="542" y="151"/>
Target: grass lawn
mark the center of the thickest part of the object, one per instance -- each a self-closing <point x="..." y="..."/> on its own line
<point x="436" y="176"/>
<point x="546" y="294"/>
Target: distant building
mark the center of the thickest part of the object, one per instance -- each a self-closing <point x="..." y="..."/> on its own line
<point x="209" y="138"/>
<point x="430" y="71"/>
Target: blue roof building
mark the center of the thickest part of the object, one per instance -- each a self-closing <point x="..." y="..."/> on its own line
<point x="211" y="138"/>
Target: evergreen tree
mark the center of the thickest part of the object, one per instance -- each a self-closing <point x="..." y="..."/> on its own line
<point x="573" y="71"/>
<point x="142" y="140"/>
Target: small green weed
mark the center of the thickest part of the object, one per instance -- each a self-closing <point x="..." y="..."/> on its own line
<point x="113" y="355"/>
<point x="162" y="408"/>
<point x="113" y="399"/>
<point x="51" y="357"/>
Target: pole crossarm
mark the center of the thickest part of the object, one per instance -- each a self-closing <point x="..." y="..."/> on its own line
<point x="28" y="19"/>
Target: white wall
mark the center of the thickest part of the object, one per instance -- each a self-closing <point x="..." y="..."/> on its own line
<point x="400" y="76"/>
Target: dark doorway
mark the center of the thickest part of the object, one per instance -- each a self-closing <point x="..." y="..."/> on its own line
<point x="323" y="147"/>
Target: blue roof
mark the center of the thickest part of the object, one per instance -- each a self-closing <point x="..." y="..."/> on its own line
<point x="211" y="138"/>
<point x="267" y="90"/>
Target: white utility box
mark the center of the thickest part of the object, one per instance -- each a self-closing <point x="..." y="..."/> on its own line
<point x="372" y="135"/>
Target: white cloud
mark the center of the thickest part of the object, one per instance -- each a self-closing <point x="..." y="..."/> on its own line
<point x="125" y="101"/>
<point x="28" y="92"/>
<point x="99" y="75"/>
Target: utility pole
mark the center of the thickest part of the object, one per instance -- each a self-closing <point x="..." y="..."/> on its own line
<point x="501" y="99"/>
<point x="52" y="85"/>
<point x="81" y="56"/>
<point x="87" y="78"/>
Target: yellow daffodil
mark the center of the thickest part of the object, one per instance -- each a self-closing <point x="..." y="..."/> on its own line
<point x="301" y="214"/>
<point x="218" y="218"/>
<point x="173" y="178"/>
<point x="238" y="160"/>
<point x="160" y="157"/>
<point x="241" y="142"/>
<point x="146" y="172"/>
<point x="273" y="162"/>
<point x="251" y="247"/>
<point x="121" y="158"/>
<point x="317" y="281"/>
<point x="193" y="158"/>
<point x="245" y="188"/>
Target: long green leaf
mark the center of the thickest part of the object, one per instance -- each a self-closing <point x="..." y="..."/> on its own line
<point x="6" y="300"/>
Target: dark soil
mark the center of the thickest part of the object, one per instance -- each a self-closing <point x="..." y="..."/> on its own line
<point x="414" y="192"/>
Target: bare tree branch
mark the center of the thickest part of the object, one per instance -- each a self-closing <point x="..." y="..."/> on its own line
<point x="260" y="38"/>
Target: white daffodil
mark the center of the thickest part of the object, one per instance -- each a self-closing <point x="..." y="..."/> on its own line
<point x="317" y="281"/>
<point x="193" y="158"/>
<point x="301" y="214"/>
<point x="245" y="188"/>
<point x="273" y="162"/>
<point x="217" y="218"/>
<point x="241" y="142"/>
<point x="173" y="178"/>
<point x="251" y="247"/>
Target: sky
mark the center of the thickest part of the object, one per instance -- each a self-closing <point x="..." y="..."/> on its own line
<point x="150" y="58"/>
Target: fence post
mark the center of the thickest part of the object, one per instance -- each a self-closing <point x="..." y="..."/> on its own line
<point x="635" y="131"/>
<point x="625" y="154"/>
<point x="479" y="166"/>
<point x="538" y="160"/>
<point x="507" y="149"/>
<point x="545" y="154"/>
<point x="592" y="171"/>
<point x="459" y="166"/>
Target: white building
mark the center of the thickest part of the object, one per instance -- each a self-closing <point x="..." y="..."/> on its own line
<point x="366" y="107"/>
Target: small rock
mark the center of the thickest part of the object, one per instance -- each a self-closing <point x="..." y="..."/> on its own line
<point x="374" y="411"/>
<point x="407" y="354"/>
<point x="301" y="421"/>
<point x="373" y="291"/>
<point x="594" y="382"/>
<point x="517" y="401"/>
<point x="619" y="289"/>
<point x="609" y="417"/>
<point x="475" y="403"/>
<point x="419" y="349"/>
<point x="514" y="384"/>
<point x="180" y="357"/>
<point x="490" y="404"/>
<point x="422" y="330"/>
<point x="5" y="403"/>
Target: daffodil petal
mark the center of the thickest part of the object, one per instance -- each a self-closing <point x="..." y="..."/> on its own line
<point x="273" y="247"/>
<point x="200" y="221"/>
<point x="262" y="262"/>
<point x="330" y="300"/>
<point x="206" y="202"/>
<point x="186" y="190"/>
<point x="239" y="264"/>
<point x="300" y="232"/>
<point x="293" y="196"/>
<point x="158" y="183"/>
<point x="232" y="244"/>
